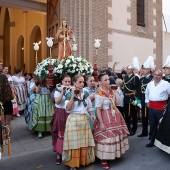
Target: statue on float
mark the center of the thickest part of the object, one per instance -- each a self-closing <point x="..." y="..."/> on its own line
<point x="64" y="35"/>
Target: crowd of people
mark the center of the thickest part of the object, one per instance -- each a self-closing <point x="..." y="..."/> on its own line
<point x="89" y="119"/>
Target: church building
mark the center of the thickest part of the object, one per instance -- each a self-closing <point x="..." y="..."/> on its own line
<point x="126" y="28"/>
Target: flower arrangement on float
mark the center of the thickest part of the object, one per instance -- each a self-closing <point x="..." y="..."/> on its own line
<point x="42" y="71"/>
<point x="72" y="66"/>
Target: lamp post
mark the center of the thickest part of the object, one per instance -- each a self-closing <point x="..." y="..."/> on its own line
<point x="36" y="48"/>
<point x="50" y="44"/>
<point x="95" y="68"/>
<point x="50" y="79"/>
<point x="74" y="48"/>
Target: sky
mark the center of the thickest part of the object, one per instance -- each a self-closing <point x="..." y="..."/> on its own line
<point x="166" y="13"/>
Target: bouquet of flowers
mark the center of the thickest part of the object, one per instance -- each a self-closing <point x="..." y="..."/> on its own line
<point x="41" y="71"/>
<point x="73" y="65"/>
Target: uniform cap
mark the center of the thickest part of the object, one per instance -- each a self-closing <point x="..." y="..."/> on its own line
<point x="149" y="63"/>
<point x="134" y="65"/>
<point x="167" y="62"/>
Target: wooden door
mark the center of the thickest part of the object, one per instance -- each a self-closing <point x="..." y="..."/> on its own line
<point x="53" y="22"/>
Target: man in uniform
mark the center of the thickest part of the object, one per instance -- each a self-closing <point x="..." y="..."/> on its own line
<point x="147" y="67"/>
<point x="131" y="85"/>
<point x="166" y="68"/>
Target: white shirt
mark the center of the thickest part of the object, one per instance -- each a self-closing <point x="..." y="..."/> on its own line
<point x="18" y="81"/>
<point x="80" y="109"/>
<point x="32" y="84"/>
<point x="62" y="103"/>
<point x="159" y="92"/>
<point x="119" y="90"/>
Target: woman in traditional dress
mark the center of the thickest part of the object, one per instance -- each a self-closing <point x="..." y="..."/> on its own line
<point x="110" y="130"/>
<point x="28" y="82"/>
<point x="33" y="93"/>
<point x="91" y="88"/>
<point x="42" y="110"/>
<point x="6" y="95"/>
<point x="162" y="140"/>
<point x="14" y="102"/>
<point x="78" y="147"/>
<point x="63" y="36"/>
<point x="20" y="90"/>
<point x="59" y="118"/>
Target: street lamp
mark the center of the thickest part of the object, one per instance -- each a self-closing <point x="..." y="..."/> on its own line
<point x="96" y="45"/>
<point x="50" y="79"/>
<point x="50" y="44"/>
<point x="74" y="48"/>
<point x="36" y="48"/>
<point x="95" y="68"/>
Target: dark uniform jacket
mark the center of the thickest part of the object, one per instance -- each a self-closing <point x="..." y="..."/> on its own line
<point x="131" y="85"/>
<point x="142" y="87"/>
<point x="166" y="78"/>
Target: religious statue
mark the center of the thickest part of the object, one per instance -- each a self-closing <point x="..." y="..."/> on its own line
<point x="64" y="35"/>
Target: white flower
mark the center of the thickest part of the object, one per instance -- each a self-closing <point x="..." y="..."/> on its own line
<point x="78" y="59"/>
<point x="60" y="66"/>
<point x="74" y="66"/>
<point x="85" y="68"/>
<point x="67" y="61"/>
<point x="72" y="57"/>
<point x="42" y="68"/>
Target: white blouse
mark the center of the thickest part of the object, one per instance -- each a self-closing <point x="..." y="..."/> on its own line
<point x="18" y="81"/>
<point x="91" y="93"/>
<point x="62" y="103"/>
<point x="80" y="109"/>
<point x="102" y="102"/>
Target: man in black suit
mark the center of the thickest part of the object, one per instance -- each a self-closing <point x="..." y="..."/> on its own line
<point x="131" y="85"/>
<point x="141" y="95"/>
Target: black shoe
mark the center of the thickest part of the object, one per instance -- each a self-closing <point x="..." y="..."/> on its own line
<point x="132" y="133"/>
<point x="150" y="145"/>
<point x="142" y="135"/>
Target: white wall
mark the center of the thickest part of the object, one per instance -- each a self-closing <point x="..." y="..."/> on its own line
<point x="125" y="47"/>
<point x="166" y="45"/>
<point x="119" y="15"/>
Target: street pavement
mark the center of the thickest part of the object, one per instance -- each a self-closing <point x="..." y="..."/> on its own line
<point x="31" y="153"/>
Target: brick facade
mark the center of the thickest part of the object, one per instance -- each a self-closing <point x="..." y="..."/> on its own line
<point x="89" y="20"/>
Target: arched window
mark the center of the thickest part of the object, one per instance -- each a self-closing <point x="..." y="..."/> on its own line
<point x="141" y="12"/>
